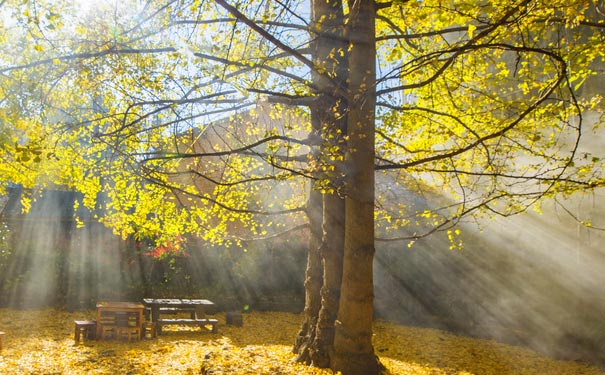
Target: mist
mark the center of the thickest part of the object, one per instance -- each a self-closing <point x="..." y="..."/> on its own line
<point x="51" y="261"/>
<point x="534" y="279"/>
<point x="48" y="260"/>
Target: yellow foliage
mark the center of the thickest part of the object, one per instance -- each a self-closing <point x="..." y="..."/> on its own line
<point x="41" y="342"/>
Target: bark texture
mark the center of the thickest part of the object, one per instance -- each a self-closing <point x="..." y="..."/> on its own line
<point x="341" y="337"/>
<point x="353" y="351"/>
<point x="331" y="253"/>
<point x="313" y="279"/>
<point x="314" y="343"/>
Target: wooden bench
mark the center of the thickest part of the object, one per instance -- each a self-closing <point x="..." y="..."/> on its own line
<point x="190" y="322"/>
<point x="171" y="311"/>
<point x="195" y="308"/>
<point x="1" y="335"/>
<point x="176" y="310"/>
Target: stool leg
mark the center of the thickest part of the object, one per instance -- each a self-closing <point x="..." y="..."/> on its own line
<point x="149" y="328"/>
<point x="90" y="333"/>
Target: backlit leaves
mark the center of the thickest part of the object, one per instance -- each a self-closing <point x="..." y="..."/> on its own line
<point x="478" y="102"/>
<point x="491" y="103"/>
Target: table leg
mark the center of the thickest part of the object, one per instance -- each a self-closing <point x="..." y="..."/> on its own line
<point x="155" y="316"/>
<point x="98" y="333"/>
<point x="140" y="323"/>
<point x="200" y="312"/>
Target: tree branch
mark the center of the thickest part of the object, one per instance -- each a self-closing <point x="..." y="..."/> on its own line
<point x="149" y="156"/>
<point x="544" y="96"/>
<point x="270" y="237"/>
<point x="457" y="51"/>
<point x="175" y="189"/>
<point x="268" y="36"/>
<point x="293" y="100"/>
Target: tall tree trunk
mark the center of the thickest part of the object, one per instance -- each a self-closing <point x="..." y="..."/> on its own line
<point x="324" y="264"/>
<point x="331" y="256"/>
<point x="313" y="278"/>
<point x="314" y="270"/>
<point x="353" y="351"/>
<point x="329" y="56"/>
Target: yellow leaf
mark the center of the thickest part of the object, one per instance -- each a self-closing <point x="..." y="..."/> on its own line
<point x="471" y="30"/>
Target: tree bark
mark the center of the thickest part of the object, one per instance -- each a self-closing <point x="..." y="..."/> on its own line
<point x="313" y="279"/>
<point x="331" y="256"/>
<point x="353" y="351"/>
<point x="314" y="343"/>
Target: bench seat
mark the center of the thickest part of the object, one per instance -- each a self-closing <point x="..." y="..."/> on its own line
<point x="190" y="322"/>
<point x="176" y="310"/>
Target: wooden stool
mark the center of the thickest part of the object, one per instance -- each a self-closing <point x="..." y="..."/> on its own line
<point x="128" y="333"/>
<point x="86" y="329"/>
<point x="234" y="318"/>
<point x="149" y="328"/>
<point x="1" y="335"/>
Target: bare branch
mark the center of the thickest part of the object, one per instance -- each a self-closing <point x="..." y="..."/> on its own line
<point x="576" y="218"/>
<point x="231" y="20"/>
<point x="409" y="36"/>
<point x="268" y="36"/>
<point x="271" y="237"/>
<point x="89" y="55"/>
<point x="281" y="98"/>
<point x="227" y="184"/>
<point x="537" y="177"/>
<point x="170" y="156"/>
<point x="221" y="60"/>
<point x="448" y="223"/>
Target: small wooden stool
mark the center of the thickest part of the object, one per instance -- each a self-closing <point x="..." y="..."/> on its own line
<point x="234" y="318"/>
<point x="1" y="335"/>
<point x="86" y="329"/>
<point x="149" y="328"/>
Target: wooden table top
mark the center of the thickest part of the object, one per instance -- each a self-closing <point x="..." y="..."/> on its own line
<point x="176" y="301"/>
<point x="123" y="305"/>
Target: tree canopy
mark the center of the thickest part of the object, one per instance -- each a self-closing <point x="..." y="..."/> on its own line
<point x="151" y="110"/>
<point x="95" y="96"/>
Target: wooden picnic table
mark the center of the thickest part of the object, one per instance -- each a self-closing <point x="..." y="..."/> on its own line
<point x="195" y="307"/>
<point x="115" y="308"/>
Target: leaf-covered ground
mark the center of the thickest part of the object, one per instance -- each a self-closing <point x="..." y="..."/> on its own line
<point x="41" y="342"/>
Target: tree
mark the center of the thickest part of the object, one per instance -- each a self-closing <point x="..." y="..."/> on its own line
<point x="315" y="339"/>
<point x="353" y="350"/>
<point x="479" y="101"/>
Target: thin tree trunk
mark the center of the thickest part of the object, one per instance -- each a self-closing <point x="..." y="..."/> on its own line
<point x="353" y="351"/>
<point x="314" y="343"/>
<point x="331" y="254"/>
<point x="313" y="279"/>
